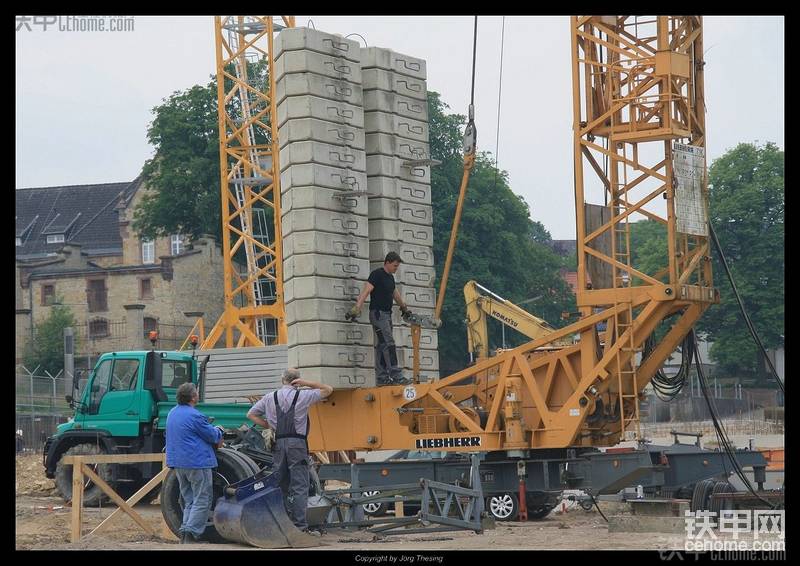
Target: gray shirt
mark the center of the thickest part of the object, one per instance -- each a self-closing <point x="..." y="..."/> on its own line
<point x="266" y="406"/>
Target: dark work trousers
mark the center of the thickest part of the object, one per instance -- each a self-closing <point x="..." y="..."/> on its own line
<point x="290" y="462"/>
<point x="386" y="367"/>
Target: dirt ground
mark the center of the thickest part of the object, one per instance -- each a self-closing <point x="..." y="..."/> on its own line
<point x="43" y="523"/>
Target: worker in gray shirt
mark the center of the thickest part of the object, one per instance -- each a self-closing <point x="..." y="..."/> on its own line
<point x="286" y="412"/>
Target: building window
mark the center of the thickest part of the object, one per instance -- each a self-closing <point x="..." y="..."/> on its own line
<point x="97" y="296"/>
<point x="146" y="288"/>
<point x="176" y="244"/>
<point x="48" y="295"/>
<point x="148" y="251"/>
<point x="98" y="328"/>
<point x="19" y="242"/>
<point x="55" y="239"/>
<point x="150" y="324"/>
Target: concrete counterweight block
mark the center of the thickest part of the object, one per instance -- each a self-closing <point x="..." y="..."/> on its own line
<point x="428" y="338"/>
<point x="309" y="84"/>
<point x="410" y="254"/>
<point x="428" y="359"/>
<point x="403" y="85"/>
<point x="310" y="129"/>
<point x="317" y="153"/>
<point x="318" y="63"/>
<point x="404" y="148"/>
<point x="392" y="124"/>
<point x="299" y="107"/>
<point x="385" y="101"/>
<point x="322" y="198"/>
<point x="304" y="38"/>
<point x="309" y="175"/>
<point x="395" y="209"/>
<point x="382" y="58"/>
<point x="401" y="232"/>
<point x="389" y="187"/>
<point x="330" y="333"/>
<point x="306" y="265"/>
<point x="417" y="297"/>
<point x="385" y="166"/>
<point x="335" y="288"/>
<point x="324" y="221"/>
<point x="329" y="244"/>
<point x="336" y="355"/>
<point x="340" y="377"/>
<point x="409" y="274"/>
<point x="329" y="310"/>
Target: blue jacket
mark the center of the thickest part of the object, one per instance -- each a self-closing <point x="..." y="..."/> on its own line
<point x="190" y="439"/>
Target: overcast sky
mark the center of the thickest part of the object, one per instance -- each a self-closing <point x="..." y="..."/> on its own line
<point x="84" y="99"/>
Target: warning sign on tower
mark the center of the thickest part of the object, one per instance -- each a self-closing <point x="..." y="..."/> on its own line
<point x="689" y="170"/>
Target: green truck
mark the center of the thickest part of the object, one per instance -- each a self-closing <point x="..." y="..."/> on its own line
<point x="123" y="410"/>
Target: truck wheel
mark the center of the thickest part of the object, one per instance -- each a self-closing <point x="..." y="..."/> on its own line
<point x="92" y="494"/>
<point x="374" y="508"/>
<point x="503" y="507"/>
<point x="231" y="468"/>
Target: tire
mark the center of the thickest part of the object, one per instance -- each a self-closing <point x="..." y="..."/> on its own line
<point x="539" y="513"/>
<point x="503" y="507"/>
<point x="231" y="468"/>
<point x="700" y="495"/>
<point x="374" y="509"/>
<point x="127" y="489"/>
<point x="92" y="494"/>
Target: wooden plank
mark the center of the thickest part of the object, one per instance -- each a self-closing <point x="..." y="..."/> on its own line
<point x="115" y="458"/>
<point x="77" y="500"/>
<point x="117" y="499"/>
<point x="134" y="499"/>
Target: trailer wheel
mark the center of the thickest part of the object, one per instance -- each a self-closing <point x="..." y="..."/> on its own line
<point x="503" y="507"/>
<point x="374" y="508"/>
<point x="721" y="503"/>
<point x="231" y="468"/>
<point x="92" y="494"/>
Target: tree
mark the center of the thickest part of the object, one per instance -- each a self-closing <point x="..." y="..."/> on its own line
<point x="183" y="175"/>
<point x="498" y="244"/>
<point x="46" y="349"/>
<point x="746" y="204"/>
<point x="746" y="207"/>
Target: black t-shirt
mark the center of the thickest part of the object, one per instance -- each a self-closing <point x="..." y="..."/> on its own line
<point x="382" y="295"/>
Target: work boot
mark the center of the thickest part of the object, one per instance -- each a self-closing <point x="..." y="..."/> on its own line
<point x="189" y="538"/>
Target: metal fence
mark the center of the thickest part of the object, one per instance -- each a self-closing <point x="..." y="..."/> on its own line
<point x="40" y="405"/>
<point x="171" y="336"/>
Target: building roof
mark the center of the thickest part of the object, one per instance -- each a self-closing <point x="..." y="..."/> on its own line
<point x="84" y="214"/>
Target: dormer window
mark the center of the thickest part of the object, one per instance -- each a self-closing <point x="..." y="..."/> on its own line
<point x="55" y="239"/>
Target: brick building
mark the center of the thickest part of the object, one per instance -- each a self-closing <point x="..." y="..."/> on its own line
<point x="75" y="246"/>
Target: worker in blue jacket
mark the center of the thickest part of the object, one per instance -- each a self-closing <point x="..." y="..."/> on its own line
<point x="190" y="452"/>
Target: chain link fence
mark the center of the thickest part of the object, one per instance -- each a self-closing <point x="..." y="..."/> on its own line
<point x="40" y="405"/>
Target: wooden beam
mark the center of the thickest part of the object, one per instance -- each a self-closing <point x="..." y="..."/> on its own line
<point x="117" y="499"/>
<point x="115" y="458"/>
<point x="77" y="501"/>
<point x="135" y="498"/>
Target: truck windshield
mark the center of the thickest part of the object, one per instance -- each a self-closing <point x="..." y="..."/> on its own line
<point x="174" y="373"/>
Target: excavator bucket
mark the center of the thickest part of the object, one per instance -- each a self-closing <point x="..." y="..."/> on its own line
<point x="252" y="512"/>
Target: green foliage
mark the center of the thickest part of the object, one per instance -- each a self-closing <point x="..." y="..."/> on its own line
<point x="498" y="245"/>
<point x="746" y="187"/>
<point x="46" y="349"/>
<point x="183" y="175"/>
<point x="649" y="248"/>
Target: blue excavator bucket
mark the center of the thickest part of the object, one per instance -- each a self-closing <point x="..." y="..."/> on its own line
<point x="252" y="512"/>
